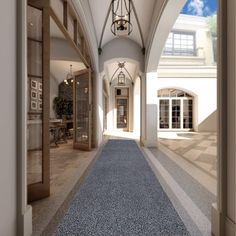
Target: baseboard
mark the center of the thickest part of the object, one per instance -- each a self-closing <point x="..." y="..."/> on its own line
<point x="230" y="227"/>
<point x="150" y="143"/>
<point x="221" y="225"/>
<point x="27" y="222"/>
<point x="215" y="220"/>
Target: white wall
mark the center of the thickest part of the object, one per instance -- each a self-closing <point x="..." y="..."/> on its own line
<point x="136" y="108"/>
<point x="8" y="119"/>
<point x="205" y="92"/>
<point x="121" y="48"/>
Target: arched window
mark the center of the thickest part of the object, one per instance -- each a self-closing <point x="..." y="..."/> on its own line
<point x="175" y="110"/>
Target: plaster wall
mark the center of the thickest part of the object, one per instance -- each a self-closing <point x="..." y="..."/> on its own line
<point x="121" y="48"/>
<point x="136" y="108"/>
<point x="61" y="50"/>
<point x="8" y="160"/>
<point x="98" y="107"/>
<point x="151" y="110"/>
<point x="204" y="91"/>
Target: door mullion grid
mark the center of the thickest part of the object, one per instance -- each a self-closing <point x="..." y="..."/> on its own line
<point x="170" y="113"/>
<point x="181" y="113"/>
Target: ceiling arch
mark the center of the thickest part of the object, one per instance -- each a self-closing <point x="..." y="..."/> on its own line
<point x="144" y="13"/>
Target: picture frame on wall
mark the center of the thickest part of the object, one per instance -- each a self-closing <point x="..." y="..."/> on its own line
<point x="40" y="86"/>
<point x="40" y="106"/>
<point x="34" y="84"/>
<point x="34" y="94"/>
<point x="40" y="96"/>
<point x="33" y="105"/>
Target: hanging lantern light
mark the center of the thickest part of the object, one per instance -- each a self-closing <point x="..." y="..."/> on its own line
<point x="121" y="78"/>
<point x="121" y="24"/>
<point x="69" y="76"/>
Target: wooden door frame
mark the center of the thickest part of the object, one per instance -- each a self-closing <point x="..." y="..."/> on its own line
<point x="122" y="97"/>
<point x="86" y="147"/>
<point x="41" y="190"/>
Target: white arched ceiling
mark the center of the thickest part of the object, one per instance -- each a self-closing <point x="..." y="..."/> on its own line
<point x="156" y="18"/>
<point x="59" y="68"/>
<point x="131" y="66"/>
<point x="144" y="11"/>
<point x="121" y="48"/>
<point x="165" y="23"/>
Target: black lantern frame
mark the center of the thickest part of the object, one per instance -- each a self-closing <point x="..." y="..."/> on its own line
<point x="121" y="78"/>
<point x="121" y="24"/>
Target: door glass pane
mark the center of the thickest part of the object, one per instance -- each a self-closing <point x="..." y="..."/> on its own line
<point x="34" y="58"/>
<point x="122" y="113"/>
<point x="164" y="114"/>
<point x="176" y="124"/>
<point x="82" y="109"/>
<point x="35" y="97"/>
<point x="188" y="114"/>
<point x="34" y="23"/>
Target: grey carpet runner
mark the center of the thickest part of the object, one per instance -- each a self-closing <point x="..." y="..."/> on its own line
<point x="121" y="196"/>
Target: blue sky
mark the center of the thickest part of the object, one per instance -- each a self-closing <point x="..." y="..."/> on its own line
<point x="200" y="7"/>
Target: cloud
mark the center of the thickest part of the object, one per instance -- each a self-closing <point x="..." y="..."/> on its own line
<point x="198" y="7"/>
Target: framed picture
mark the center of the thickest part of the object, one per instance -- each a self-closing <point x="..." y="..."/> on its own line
<point x="34" y="84"/>
<point x="40" y="96"/>
<point x="34" y="94"/>
<point x="40" y="106"/>
<point x="40" y="85"/>
<point x="33" y="105"/>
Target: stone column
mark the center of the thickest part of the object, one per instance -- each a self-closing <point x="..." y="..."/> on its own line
<point x="151" y="110"/>
<point x="142" y="109"/>
<point x="224" y="211"/>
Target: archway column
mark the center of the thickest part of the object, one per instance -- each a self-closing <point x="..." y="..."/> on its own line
<point x="224" y="211"/>
<point x="149" y="110"/>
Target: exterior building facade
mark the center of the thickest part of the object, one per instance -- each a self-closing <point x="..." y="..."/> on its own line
<point x="187" y="85"/>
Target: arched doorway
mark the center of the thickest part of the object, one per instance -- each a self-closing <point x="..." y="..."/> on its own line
<point x="175" y="110"/>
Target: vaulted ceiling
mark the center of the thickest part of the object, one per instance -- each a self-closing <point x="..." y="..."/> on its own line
<point x="144" y="9"/>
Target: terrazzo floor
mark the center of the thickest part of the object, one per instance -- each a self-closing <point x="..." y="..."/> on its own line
<point x="199" y="148"/>
<point x="121" y="196"/>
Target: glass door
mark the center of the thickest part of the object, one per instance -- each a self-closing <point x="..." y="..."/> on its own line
<point x="82" y="110"/>
<point x="164" y="113"/>
<point x="122" y="113"/>
<point x="38" y="176"/>
<point x="176" y="116"/>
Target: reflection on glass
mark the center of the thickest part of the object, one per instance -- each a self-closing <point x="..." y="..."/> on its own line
<point x="35" y="96"/>
<point x="188" y="114"/>
<point x="122" y="112"/>
<point x="176" y="114"/>
<point x="164" y="114"/>
<point x="34" y="57"/>
<point x="82" y="109"/>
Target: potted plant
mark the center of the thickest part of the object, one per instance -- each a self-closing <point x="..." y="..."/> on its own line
<point x="60" y="106"/>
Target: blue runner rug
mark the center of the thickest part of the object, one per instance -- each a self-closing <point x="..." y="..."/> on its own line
<point x="121" y="196"/>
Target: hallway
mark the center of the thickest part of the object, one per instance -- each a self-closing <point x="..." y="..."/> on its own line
<point x="121" y="196"/>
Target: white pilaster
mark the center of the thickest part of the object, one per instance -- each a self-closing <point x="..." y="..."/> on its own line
<point x="224" y="212"/>
<point x="151" y="110"/>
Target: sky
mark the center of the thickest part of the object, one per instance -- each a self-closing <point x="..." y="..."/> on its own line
<point x="200" y="7"/>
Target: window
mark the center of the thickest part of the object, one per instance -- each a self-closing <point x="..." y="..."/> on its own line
<point x="175" y="109"/>
<point x="180" y="44"/>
